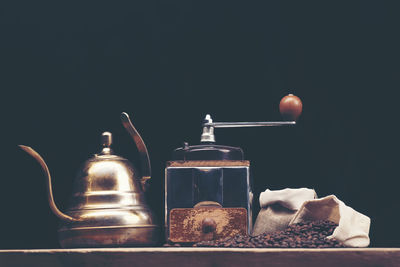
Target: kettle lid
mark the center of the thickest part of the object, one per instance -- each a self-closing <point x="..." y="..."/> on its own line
<point x="106" y="152"/>
<point x="106" y="142"/>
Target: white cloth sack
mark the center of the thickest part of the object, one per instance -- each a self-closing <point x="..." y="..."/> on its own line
<point x="290" y="198"/>
<point x="278" y="208"/>
<point x="353" y="227"/>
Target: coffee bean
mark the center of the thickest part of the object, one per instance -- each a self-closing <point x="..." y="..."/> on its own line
<point x="301" y="235"/>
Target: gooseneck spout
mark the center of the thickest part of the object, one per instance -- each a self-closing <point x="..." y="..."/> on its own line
<point x="46" y="171"/>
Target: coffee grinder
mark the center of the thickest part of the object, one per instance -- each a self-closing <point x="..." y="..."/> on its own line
<point x="208" y="194"/>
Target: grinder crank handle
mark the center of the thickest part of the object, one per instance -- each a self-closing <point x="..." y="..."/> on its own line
<point x="245" y="124"/>
<point x="144" y="154"/>
<point x="290" y="108"/>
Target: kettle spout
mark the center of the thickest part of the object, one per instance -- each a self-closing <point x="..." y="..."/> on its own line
<point x="46" y="171"/>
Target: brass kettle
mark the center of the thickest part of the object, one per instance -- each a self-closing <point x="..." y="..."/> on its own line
<point x="107" y="207"/>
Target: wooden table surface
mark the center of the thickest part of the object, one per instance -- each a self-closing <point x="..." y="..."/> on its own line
<point x="194" y="257"/>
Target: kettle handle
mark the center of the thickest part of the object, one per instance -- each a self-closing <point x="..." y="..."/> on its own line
<point x="46" y="171"/>
<point x="144" y="154"/>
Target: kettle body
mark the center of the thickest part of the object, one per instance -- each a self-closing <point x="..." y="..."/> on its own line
<point x="107" y="207"/>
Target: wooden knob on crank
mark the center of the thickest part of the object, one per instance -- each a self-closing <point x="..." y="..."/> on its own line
<point x="290" y="107"/>
<point x="208" y="225"/>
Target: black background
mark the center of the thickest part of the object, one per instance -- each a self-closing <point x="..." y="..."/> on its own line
<point x="67" y="70"/>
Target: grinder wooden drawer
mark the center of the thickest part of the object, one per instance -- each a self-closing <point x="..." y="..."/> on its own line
<point x="207" y="223"/>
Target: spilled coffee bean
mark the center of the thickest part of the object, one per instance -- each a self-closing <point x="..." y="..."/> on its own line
<point x="301" y="235"/>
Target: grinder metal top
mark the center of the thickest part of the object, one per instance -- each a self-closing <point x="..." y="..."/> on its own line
<point x="290" y="108"/>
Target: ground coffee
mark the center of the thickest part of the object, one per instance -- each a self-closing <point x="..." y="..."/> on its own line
<point x="301" y="235"/>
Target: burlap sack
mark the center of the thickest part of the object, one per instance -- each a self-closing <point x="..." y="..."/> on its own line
<point x="353" y="227"/>
<point x="278" y="208"/>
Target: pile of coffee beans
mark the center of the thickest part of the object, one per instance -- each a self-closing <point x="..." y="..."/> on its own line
<point x="301" y="235"/>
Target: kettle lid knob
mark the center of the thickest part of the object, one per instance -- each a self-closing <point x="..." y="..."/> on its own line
<point x="106" y="141"/>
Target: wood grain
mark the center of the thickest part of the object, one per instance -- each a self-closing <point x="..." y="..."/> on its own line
<point x="195" y="257"/>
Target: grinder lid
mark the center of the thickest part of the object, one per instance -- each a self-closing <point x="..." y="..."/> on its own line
<point x="207" y="152"/>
